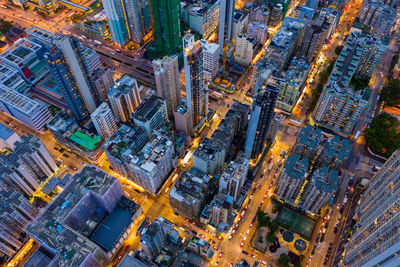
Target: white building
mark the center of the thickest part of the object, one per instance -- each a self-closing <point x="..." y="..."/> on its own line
<point x="203" y="17"/>
<point x="166" y="74"/>
<point x="240" y="22"/>
<point x="104" y="121"/>
<point x="234" y="176"/>
<point x="26" y="110"/>
<point x="124" y="97"/>
<point x="7" y="138"/>
<point x="245" y="46"/>
<point x="210" y="60"/>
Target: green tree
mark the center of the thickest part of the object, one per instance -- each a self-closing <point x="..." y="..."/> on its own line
<point x="270" y="237"/>
<point x="284" y="260"/>
<point x="391" y="93"/>
<point x="263" y="218"/>
<point x="359" y="82"/>
<point x="338" y="49"/>
<point x="382" y="137"/>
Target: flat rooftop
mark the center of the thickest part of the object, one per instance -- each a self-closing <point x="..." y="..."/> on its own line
<point x="112" y="227"/>
<point x="5" y="133"/>
<point x="85" y="141"/>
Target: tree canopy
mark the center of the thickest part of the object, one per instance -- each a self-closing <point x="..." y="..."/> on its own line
<point x="284" y="260"/>
<point x="391" y="93"/>
<point x="382" y="136"/>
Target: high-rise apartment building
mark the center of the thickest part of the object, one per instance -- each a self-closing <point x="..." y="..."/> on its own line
<point x="166" y="74"/>
<point x="314" y="36"/>
<point x="151" y="114"/>
<point x="261" y="117"/>
<point x="339" y="107"/>
<point x="16" y="212"/>
<point x="104" y="121"/>
<point x="203" y="17"/>
<point x="240" y="22"/>
<point x="196" y="90"/>
<point x="210" y="60"/>
<point x="124" y="97"/>
<point x="103" y="81"/>
<point x="225" y="23"/>
<point x="245" y="48"/>
<point x="376" y="235"/>
<point x="167" y="31"/>
<point x="153" y="239"/>
<point x="128" y="20"/>
<point x="234" y="176"/>
<point x="27" y="166"/>
<point x="146" y="162"/>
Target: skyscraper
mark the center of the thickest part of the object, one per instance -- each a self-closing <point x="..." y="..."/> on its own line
<point x="166" y="73"/>
<point x="153" y="239"/>
<point x="104" y="121"/>
<point x="128" y="20"/>
<point x="210" y="60"/>
<point x="261" y="117"/>
<point x="167" y="26"/>
<point x="62" y="73"/>
<point x="376" y="238"/>
<point x="196" y="91"/>
<point x="124" y="97"/>
<point x="73" y="53"/>
<point x="225" y="22"/>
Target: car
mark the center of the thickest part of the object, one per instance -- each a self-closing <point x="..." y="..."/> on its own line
<point x="215" y="247"/>
<point x="348" y="188"/>
<point x="194" y="232"/>
<point x="242" y="244"/>
<point x="202" y="236"/>
<point x="187" y="219"/>
<point x="220" y="254"/>
<point x="127" y="247"/>
<point x="259" y="186"/>
<point x="66" y="155"/>
<point x="219" y="237"/>
<point x="193" y="223"/>
<point x="120" y="257"/>
<point x="245" y="252"/>
<point x="236" y="226"/>
<point x="335" y="230"/>
<point x="230" y="237"/>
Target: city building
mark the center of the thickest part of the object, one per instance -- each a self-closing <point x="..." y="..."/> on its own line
<point x="104" y="121"/>
<point x="124" y="97"/>
<point x="200" y="246"/>
<point x="234" y="176"/>
<point x="245" y="49"/>
<point x="103" y="81"/>
<point x="276" y="15"/>
<point x="167" y="30"/>
<point x="378" y="16"/>
<point x="219" y="212"/>
<point x="312" y="4"/>
<point x="332" y="17"/>
<point x="211" y="154"/>
<point x="66" y="84"/>
<point x="291" y="83"/>
<point x="11" y="78"/>
<point x="80" y="67"/>
<point x="88" y="222"/>
<point x="151" y="114"/>
<point x="258" y="31"/>
<point x="305" y="12"/>
<point x="30" y="112"/>
<point x="375" y="238"/>
<point x="193" y="190"/>
<point x="310" y="177"/>
<point x="196" y="90"/>
<point x="7" y="138"/>
<point x="260" y="14"/>
<point x="339" y="107"/>
<point x="210" y="60"/>
<point x="95" y="25"/>
<point x="240" y="22"/>
<point x="285" y="42"/>
<point x="146" y="161"/>
<point x="166" y="74"/>
<point x="182" y="119"/>
<point x="82" y="142"/>
<point x="225" y="23"/>
<point x="203" y="17"/>
<point x="16" y="214"/>
<point x="360" y="55"/>
<point x="261" y="120"/>
<point x="29" y="165"/>
<point x="314" y="36"/>
<point x="152" y="239"/>
<point x="26" y="57"/>
<point x="128" y="20"/>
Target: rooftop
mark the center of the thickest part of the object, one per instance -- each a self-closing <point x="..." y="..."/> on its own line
<point x="85" y="140"/>
<point x="5" y="133"/>
<point x="146" y="110"/>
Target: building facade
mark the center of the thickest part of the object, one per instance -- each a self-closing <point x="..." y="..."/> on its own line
<point x="104" y="121"/>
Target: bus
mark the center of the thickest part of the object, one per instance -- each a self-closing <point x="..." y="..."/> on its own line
<point x="295" y="123"/>
<point x="357" y="135"/>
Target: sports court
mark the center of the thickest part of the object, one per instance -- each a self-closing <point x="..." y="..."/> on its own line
<point x="296" y="222"/>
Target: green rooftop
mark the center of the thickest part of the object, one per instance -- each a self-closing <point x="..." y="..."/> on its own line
<point x="85" y="140"/>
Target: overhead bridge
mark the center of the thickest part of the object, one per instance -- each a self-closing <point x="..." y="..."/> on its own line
<point x="73" y="5"/>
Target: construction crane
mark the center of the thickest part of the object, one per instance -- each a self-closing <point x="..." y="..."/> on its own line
<point x="224" y="59"/>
